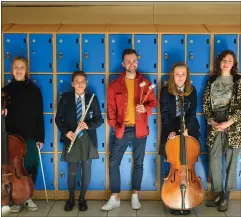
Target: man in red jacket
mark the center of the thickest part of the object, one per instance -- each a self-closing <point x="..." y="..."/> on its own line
<point x="128" y="115"/>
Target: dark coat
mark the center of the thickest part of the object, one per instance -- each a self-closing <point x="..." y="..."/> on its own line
<point x="168" y="116"/>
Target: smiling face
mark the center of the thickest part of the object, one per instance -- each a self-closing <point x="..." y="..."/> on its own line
<point x="19" y="70"/>
<point x="226" y="64"/>
<point x="130" y="63"/>
<point x="180" y="75"/>
<point x="79" y="84"/>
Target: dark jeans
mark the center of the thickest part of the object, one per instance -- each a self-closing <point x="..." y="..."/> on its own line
<point x="118" y="149"/>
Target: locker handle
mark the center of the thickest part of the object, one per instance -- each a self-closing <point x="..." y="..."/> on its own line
<point x="154" y="81"/>
<point x="155" y="66"/>
<point x="154" y="160"/>
<point x="62" y="174"/>
<point x="102" y="41"/>
<point x="103" y="81"/>
<point x="129" y="40"/>
<point x="8" y="55"/>
<point x="78" y="183"/>
<point x="191" y="57"/>
<point x="165" y="56"/>
<point x="182" y="41"/>
<point x="154" y="183"/>
<point x="77" y="65"/>
<point x="103" y="144"/>
<point x="154" y="121"/>
<point x="154" y="145"/>
<point x="154" y="41"/>
<point x="129" y="160"/>
<point x="103" y="105"/>
<point x="235" y="41"/>
<point x="103" y="65"/>
<point x="207" y="41"/>
<point x="207" y="66"/>
<point x="50" y="80"/>
<point x="77" y="41"/>
<point x="52" y="183"/>
<point x="138" y="56"/>
<point x="103" y="160"/>
<point x="51" y="105"/>
<point x="52" y="160"/>
<point x="86" y="55"/>
<point x="50" y="65"/>
<point x="60" y="55"/>
<point x="239" y="173"/>
<point x="51" y="144"/>
<point x="24" y="40"/>
<point x="51" y="120"/>
<point x="50" y="40"/>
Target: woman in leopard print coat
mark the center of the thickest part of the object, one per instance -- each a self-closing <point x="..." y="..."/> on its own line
<point x="222" y="109"/>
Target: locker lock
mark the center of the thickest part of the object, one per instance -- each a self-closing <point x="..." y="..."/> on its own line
<point x="8" y="55"/>
<point x="138" y="56"/>
<point x="62" y="174"/>
<point x="113" y="52"/>
<point x="60" y="55"/>
<point x="86" y="55"/>
<point x="191" y="56"/>
<point x="166" y="56"/>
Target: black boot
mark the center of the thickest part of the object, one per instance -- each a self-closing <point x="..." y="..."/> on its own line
<point x="224" y="203"/>
<point x="216" y="201"/>
<point x="82" y="204"/>
<point x="69" y="204"/>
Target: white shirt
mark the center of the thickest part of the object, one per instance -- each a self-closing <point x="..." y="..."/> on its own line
<point x="82" y="101"/>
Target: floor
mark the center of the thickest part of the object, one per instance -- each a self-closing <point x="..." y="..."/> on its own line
<point x="149" y="208"/>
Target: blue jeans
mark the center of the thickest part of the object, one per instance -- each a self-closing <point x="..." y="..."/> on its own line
<point x="118" y="149"/>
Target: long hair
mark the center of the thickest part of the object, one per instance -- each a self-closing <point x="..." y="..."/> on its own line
<point x="220" y="57"/>
<point x="21" y="58"/>
<point x="172" y="87"/>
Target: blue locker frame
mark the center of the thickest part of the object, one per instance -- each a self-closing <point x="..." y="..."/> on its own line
<point x="64" y="85"/>
<point x="149" y="180"/>
<point x="93" y="52"/>
<point x="68" y="52"/>
<point x="147" y="52"/>
<point x="117" y="44"/>
<point x="198" y="53"/>
<point x="14" y="45"/>
<point x="203" y="130"/>
<point x="173" y="51"/>
<point x="49" y="133"/>
<point x="41" y="52"/>
<point x="151" y="142"/>
<point x="48" y="166"/>
<point x="45" y="83"/>
<point x="126" y="172"/>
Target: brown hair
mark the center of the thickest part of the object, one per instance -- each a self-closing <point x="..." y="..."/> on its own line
<point x="78" y="73"/>
<point x="172" y="88"/>
<point x="220" y="57"/>
<point x="21" y="58"/>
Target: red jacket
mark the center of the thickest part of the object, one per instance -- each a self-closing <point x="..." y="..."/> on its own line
<point x="117" y="105"/>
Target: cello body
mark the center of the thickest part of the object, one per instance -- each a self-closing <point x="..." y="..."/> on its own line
<point x="182" y="189"/>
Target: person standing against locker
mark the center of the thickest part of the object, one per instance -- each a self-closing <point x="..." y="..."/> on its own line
<point x="71" y="107"/>
<point x="179" y="80"/>
<point x="129" y="119"/>
<point x="25" y="118"/>
<point x="222" y="109"/>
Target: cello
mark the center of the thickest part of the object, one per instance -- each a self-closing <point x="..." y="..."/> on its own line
<point x="182" y="189"/>
<point x="19" y="183"/>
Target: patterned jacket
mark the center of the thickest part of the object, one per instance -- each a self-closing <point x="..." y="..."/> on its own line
<point x="234" y="131"/>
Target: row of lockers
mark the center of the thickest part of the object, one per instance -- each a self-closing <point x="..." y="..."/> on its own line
<point x="149" y="182"/>
<point x="92" y="50"/>
<point x="97" y="85"/>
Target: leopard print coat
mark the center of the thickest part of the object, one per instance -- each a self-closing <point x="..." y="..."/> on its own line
<point x="234" y="131"/>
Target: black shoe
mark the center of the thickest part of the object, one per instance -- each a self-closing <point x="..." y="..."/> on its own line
<point x="82" y="204"/>
<point x="216" y="201"/>
<point x="223" y="205"/>
<point x="69" y="204"/>
<point x="180" y="212"/>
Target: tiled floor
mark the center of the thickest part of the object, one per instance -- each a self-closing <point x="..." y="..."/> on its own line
<point x="149" y="208"/>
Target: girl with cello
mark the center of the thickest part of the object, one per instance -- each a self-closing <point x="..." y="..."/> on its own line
<point x="222" y="109"/>
<point x="25" y="118"/>
<point x="179" y="81"/>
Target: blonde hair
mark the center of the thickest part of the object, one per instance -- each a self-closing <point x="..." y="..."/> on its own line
<point x="172" y="87"/>
<point x="21" y="58"/>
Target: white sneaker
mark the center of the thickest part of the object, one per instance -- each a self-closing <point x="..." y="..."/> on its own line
<point x="15" y="208"/>
<point x="135" y="202"/>
<point x="30" y="205"/>
<point x="111" y="204"/>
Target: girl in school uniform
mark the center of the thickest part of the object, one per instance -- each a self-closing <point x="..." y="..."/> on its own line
<point x="70" y="109"/>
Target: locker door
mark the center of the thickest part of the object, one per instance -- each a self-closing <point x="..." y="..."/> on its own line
<point x="201" y="168"/>
<point x="96" y="85"/>
<point x="199" y="82"/>
<point x="14" y="45"/>
<point x="101" y="135"/>
<point x="117" y="44"/>
<point x="146" y="48"/>
<point x="151" y="142"/>
<point x="60" y="144"/>
<point x="203" y="130"/>
<point x="198" y="53"/>
<point x="45" y="83"/>
<point x="173" y="51"/>
<point x="223" y="42"/>
<point x="98" y="174"/>
<point x="93" y="52"/>
<point x="154" y="80"/>
<point x="239" y="173"/>
<point x="68" y="52"/>
<point x="63" y="175"/>
<point x="49" y="133"/>
<point x="165" y="168"/>
<point x="41" y="53"/>
<point x="48" y="168"/>
<point x="126" y="172"/>
<point x="149" y="180"/>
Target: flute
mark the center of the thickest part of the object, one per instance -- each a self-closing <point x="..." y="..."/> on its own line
<point x="81" y="119"/>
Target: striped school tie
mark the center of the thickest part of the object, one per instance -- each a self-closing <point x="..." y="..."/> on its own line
<point x="79" y="113"/>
